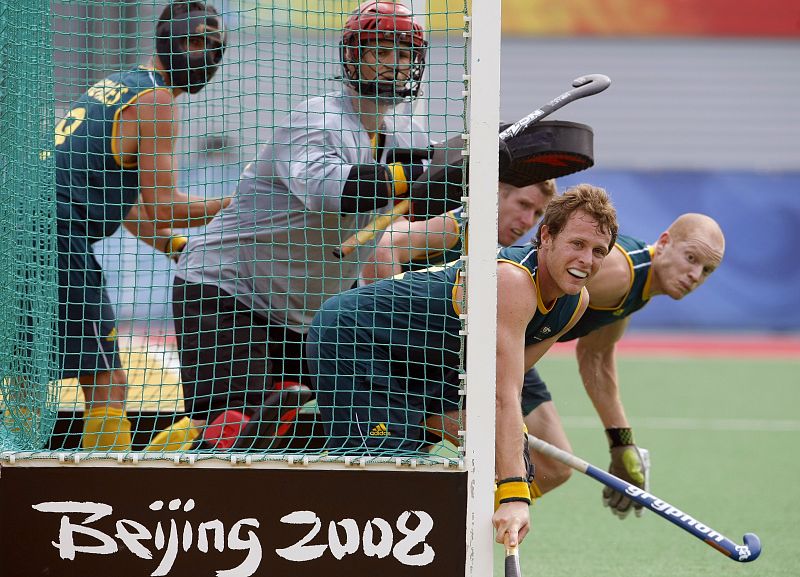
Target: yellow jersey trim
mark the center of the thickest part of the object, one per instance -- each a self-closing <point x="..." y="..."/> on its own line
<point x="454" y="293"/>
<point x="539" y="303"/>
<point x="115" y="129"/>
<point x="648" y="283"/>
<point x="575" y="312"/>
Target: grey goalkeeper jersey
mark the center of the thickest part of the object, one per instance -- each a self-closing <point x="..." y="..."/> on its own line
<point x="272" y="247"/>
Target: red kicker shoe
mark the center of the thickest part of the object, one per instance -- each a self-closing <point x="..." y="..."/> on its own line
<point x="223" y="432"/>
<point x="275" y="418"/>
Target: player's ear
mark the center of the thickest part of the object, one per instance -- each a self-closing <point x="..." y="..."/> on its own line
<point x="663" y="241"/>
<point x="546" y="237"/>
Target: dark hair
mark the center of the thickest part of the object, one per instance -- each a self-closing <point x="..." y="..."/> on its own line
<point x="181" y="8"/>
<point x="593" y="200"/>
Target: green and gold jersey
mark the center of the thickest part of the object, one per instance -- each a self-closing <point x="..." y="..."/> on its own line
<point x="640" y="258"/>
<point x="424" y="302"/>
<point x="547" y="322"/>
<point x="95" y="189"/>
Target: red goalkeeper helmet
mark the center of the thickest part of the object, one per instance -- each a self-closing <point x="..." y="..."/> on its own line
<point x="374" y="21"/>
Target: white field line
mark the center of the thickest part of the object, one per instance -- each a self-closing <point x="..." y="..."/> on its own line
<point x="687" y="424"/>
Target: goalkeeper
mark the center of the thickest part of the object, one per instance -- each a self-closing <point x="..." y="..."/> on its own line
<point x="386" y="356"/>
<point x="246" y="291"/>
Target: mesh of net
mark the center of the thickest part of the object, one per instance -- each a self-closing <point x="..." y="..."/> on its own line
<point x="278" y="56"/>
<point x="27" y="270"/>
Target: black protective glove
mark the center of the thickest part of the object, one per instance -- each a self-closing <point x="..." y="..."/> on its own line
<point x="413" y="160"/>
<point x="627" y="463"/>
<point x="440" y="188"/>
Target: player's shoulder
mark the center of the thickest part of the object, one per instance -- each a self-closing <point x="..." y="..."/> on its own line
<point x="630" y="244"/>
<point x="329" y="112"/>
<point x="157" y="105"/>
<point x="523" y="255"/>
<point x="160" y="96"/>
<point x="332" y="104"/>
<point x="405" y="131"/>
<point x="514" y="271"/>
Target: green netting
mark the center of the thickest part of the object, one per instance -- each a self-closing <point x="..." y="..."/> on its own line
<point x="28" y="298"/>
<point x="263" y="265"/>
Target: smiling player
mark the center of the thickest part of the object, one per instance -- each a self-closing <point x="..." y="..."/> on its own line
<point x="681" y="260"/>
<point x="385" y="356"/>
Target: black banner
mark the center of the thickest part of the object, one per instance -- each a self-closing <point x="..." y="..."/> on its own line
<point x="131" y="521"/>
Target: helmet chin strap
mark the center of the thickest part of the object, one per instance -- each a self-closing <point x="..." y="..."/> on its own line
<point x="408" y="89"/>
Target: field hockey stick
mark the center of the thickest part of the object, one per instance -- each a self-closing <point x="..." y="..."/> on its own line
<point x="741" y="553"/>
<point x="377" y="224"/>
<point x="512" y="568"/>
<point x="581" y="88"/>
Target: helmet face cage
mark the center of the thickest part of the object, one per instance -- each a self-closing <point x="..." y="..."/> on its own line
<point x="179" y="22"/>
<point x="364" y="29"/>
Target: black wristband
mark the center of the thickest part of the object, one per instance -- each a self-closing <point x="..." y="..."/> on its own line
<point x="618" y="437"/>
<point x="515" y="500"/>
<point x="512" y="480"/>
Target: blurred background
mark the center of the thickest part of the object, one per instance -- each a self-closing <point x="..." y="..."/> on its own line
<point x="702" y="116"/>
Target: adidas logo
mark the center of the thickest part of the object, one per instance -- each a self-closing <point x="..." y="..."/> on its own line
<point x="380" y="430"/>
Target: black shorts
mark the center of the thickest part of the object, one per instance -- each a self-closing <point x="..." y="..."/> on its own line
<point x="534" y="392"/>
<point x="230" y="355"/>
<point x="86" y="322"/>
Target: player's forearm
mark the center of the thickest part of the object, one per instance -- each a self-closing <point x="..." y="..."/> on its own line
<point x="140" y="224"/>
<point x="376" y="270"/>
<point x="508" y="435"/>
<point x="186" y="214"/>
<point x="598" y="371"/>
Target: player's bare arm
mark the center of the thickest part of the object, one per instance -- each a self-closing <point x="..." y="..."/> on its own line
<point x="511" y="520"/>
<point x="141" y="225"/>
<point x="405" y="241"/>
<point x="597" y="364"/>
<point x="148" y="130"/>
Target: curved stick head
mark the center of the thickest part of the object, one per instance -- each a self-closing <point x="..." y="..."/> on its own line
<point x="751" y="548"/>
<point x="590" y="84"/>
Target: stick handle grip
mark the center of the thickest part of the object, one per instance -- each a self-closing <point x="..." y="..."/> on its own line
<point x="377" y="224"/>
<point x="512" y="567"/>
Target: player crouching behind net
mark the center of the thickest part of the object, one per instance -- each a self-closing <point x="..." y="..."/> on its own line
<point x="246" y="290"/>
<point x="386" y="356"/>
